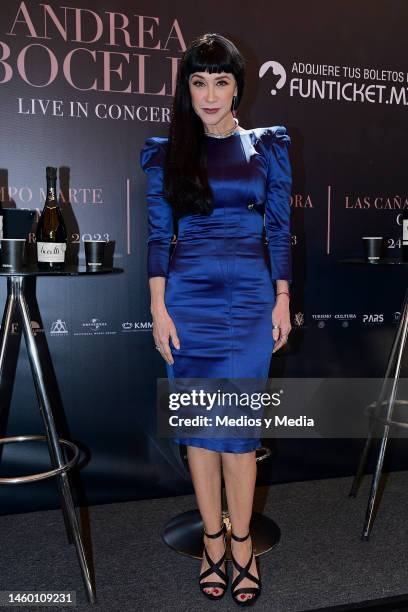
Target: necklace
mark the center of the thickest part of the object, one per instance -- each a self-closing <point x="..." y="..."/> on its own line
<point x="225" y="134"/>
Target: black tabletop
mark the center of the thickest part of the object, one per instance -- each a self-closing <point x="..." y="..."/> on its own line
<point x="383" y="261"/>
<point x="69" y="270"/>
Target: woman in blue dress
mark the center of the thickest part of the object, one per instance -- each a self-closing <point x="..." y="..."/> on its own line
<point x="220" y="301"/>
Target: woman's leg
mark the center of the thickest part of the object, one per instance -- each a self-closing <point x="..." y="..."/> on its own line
<point x="205" y="470"/>
<point x="239" y="471"/>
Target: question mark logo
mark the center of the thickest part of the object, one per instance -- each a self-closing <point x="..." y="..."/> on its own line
<point x="278" y="70"/>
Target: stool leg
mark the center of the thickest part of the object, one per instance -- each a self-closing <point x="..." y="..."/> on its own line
<point x="13" y="288"/>
<point x="367" y="446"/>
<point x="384" y="439"/>
<point x="363" y="462"/>
<point x="55" y="464"/>
<point x="51" y="432"/>
<point x="6" y="324"/>
<point x="54" y="461"/>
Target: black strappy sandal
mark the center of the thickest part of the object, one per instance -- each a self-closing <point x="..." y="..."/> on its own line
<point x="214" y="568"/>
<point x="244" y="573"/>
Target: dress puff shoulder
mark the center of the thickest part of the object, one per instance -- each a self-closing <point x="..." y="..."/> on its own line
<point x="152" y="152"/>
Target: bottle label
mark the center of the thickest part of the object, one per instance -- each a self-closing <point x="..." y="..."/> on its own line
<point x="51" y="252"/>
<point x="405" y="231"/>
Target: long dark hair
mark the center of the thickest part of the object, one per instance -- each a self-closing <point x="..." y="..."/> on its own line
<point x="185" y="169"/>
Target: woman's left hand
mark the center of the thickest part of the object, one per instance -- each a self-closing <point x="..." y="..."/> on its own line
<point x="281" y="317"/>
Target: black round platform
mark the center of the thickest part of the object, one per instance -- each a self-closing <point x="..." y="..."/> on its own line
<point x="184" y="533"/>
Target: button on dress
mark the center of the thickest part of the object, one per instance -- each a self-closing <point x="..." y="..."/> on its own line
<point x="219" y="278"/>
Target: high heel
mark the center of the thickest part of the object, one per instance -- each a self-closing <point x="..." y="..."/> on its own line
<point x="214" y="568"/>
<point x="244" y="573"/>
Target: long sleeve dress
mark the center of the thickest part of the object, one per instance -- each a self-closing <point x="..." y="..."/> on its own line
<point x="219" y="279"/>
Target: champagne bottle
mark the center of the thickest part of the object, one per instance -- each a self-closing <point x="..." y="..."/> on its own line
<point x="51" y="233"/>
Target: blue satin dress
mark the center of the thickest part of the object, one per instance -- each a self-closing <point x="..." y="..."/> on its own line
<point x="219" y="288"/>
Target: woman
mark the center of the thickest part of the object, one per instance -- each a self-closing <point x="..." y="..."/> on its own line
<point x="220" y="303"/>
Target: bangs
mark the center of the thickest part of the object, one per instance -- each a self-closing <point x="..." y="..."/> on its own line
<point x="211" y="58"/>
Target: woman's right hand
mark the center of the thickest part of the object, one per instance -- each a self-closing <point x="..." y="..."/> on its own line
<point x="163" y="329"/>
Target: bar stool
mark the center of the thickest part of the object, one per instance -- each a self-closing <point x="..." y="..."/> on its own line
<point x="184" y="532"/>
<point x="17" y="304"/>
<point x="382" y="411"/>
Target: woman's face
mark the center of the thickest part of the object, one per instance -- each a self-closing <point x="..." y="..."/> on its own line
<point x="213" y="92"/>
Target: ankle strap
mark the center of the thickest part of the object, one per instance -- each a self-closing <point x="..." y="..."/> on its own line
<point x="216" y="535"/>
<point x="234" y="537"/>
